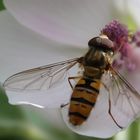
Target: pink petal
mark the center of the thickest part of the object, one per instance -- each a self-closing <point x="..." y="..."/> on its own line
<point x="134" y="76"/>
<point x="71" y="22"/>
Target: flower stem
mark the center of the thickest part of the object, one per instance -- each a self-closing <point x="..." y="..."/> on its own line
<point x="133" y="131"/>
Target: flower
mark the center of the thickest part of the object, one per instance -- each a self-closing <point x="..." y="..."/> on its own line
<point x="116" y="32"/>
<point x="123" y="44"/>
<point x="136" y="39"/>
<point x="65" y="31"/>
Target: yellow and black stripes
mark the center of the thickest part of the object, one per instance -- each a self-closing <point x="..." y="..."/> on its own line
<point x="83" y="100"/>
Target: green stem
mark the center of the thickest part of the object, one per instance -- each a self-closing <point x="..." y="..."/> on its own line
<point x="133" y="131"/>
<point x="1" y="5"/>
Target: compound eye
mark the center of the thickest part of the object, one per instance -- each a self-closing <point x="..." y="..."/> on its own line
<point x="94" y="41"/>
<point x="101" y="41"/>
<point x="107" y="42"/>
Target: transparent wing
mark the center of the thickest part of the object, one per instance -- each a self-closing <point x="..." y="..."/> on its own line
<point x="124" y="99"/>
<point x="40" y="78"/>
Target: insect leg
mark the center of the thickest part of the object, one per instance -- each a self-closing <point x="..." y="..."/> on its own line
<point x="109" y="109"/>
<point x="70" y="78"/>
<point x="63" y="105"/>
<point x="73" y="78"/>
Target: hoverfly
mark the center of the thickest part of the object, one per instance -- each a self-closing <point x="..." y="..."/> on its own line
<point x="95" y="65"/>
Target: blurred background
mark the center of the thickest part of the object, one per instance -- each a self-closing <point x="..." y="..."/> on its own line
<point x="29" y="123"/>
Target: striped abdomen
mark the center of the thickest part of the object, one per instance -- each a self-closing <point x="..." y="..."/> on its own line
<point x="83" y="100"/>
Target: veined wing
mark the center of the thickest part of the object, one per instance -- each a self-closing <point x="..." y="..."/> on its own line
<point x="41" y="77"/>
<point x="124" y="99"/>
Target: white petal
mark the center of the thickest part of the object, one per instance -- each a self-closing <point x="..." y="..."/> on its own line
<point x="71" y="22"/>
<point x="133" y="76"/>
<point x="52" y="115"/>
<point x="99" y="124"/>
<point x="51" y="99"/>
<point x="22" y="49"/>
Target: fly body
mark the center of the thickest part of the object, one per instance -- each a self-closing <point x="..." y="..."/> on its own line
<point x="83" y="99"/>
<point x="86" y="91"/>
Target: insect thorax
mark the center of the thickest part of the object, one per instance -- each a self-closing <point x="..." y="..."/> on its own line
<point x="95" y="62"/>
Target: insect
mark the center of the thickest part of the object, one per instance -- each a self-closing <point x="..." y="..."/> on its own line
<point x="96" y="64"/>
